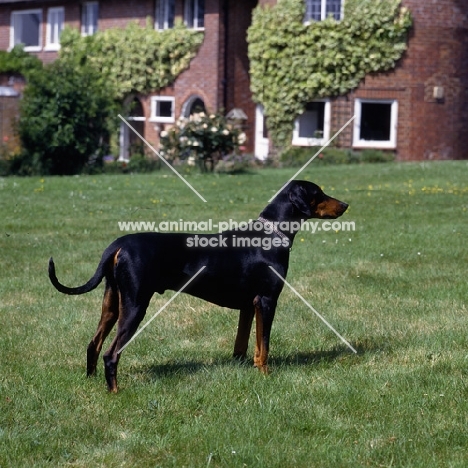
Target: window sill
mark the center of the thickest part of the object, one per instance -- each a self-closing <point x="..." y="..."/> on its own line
<point x="162" y="119"/>
<point x="366" y="144"/>
<point x="27" y="48"/>
<point x="308" y="141"/>
<point x="52" y="48"/>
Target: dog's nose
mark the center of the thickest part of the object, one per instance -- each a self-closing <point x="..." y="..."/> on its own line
<point x="344" y="206"/>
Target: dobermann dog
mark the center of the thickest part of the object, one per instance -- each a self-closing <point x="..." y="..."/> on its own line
<point x="236" y="274"/>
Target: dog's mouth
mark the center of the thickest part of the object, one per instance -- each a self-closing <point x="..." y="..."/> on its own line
<point x="331" y="209"/>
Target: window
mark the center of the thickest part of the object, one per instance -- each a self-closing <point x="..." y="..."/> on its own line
<point x="312" y="127"/>
<point x="194" y="14"/>
<point x="55" y="18"/>
<point x="318" y="10"/>
<point x="89" y="18"/>
<point x="375" y="124"/>
<point x="162" y="109"/>
<point x="26" y="29"/>
<point x="164" y="15"/>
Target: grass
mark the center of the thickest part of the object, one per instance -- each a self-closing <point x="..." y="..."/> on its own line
<point x="396" y="288"/>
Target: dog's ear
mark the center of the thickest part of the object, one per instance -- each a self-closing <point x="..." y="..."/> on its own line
<point x="299" y="197"/>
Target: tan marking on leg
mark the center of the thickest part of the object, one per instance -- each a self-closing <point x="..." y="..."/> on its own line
<point x="261" y="355"/>
<point x="109" y="315"/>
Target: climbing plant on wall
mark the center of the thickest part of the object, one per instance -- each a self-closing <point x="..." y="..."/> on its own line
<point x="133" y="59"/>
<point x="293" y="63"/>
<point x="17" y="61"/>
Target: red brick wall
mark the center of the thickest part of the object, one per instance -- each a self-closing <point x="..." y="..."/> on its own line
<point x="437" y="56"/>
<point x="237" y="83"/>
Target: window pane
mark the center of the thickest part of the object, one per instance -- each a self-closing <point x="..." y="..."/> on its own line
<point x="165" y="13"/>
<point x="313" y="10"/>
<point x="56" y="25"/>
<point x="375" y="121"/>
<point x="265" y="128"/>
<point x="197" y="106"/>
<point x="188" y="13"/>
<point x="27" y="28"/>
<point x="311" y="122"/>
<point x="159" y="15"/>
<point x="170" y="13"/>
<point x="333" y="8"/>
<point x="201" y="14"/>
<point x="90" y="18"/>
<point x="164" y="109"/>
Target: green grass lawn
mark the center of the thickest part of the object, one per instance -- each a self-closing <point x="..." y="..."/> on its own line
<point x="396" y="288"/>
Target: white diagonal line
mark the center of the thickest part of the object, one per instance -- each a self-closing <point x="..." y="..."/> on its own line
<point x="313" y="310"/>
<point x="157" y="153"/>
<point x="161" y="309"/>
<point x="313" y="157"/>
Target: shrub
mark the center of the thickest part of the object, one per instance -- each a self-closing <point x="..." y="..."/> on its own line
<point x="297" y="156"/>
<point x="64" y="121"/>
<point x="373" y="155"/>
<point x="142" y="164"/>
<point x="235" y="163"/>
<point x="205" y="138"/>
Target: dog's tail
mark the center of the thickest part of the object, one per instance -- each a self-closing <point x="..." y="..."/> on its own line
<point x="93" y="283"/>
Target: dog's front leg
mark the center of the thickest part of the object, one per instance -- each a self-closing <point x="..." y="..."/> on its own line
<point x="264" y="314"/>
<point x="246" y="316"/>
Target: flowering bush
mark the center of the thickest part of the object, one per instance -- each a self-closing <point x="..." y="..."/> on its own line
<point x="202" y="138"/>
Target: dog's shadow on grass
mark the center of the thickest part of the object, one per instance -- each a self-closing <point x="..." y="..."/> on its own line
<point x="339" y="352"/>
<point x="335" y="354"/>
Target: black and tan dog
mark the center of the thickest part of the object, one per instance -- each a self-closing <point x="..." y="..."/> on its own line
<point x="236" y="275"/>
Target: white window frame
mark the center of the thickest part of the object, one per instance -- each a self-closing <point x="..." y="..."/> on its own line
<point x="191" y="8"/>
<point x="162" y="12"/>
<point x="89" y="18"/>
<point x="302" y="141"/>
<point x="391" y="143"/>
<point x="18" y="13"/>
<point x="323" y="12"/>
<point x="54" y="28"/>
<point x="154" y="106"/>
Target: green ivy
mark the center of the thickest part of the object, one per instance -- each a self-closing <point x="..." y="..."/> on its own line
<point x="133" y="59"/>
<point x="19" y="61"/>
<point x="293" y="63"/>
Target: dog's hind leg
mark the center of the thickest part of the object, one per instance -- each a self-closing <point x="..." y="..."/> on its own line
<point x="130" y="317"/>
<point x="241" y="344"/>
<point x="109" y="315"/>
<point x="264" y="314"/>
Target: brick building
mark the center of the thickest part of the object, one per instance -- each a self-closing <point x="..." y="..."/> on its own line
<point x="427" y="92"/>
<point x="418" y="110"/>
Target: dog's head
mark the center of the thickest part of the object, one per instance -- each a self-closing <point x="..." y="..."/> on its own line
<point x="310" y="200"/>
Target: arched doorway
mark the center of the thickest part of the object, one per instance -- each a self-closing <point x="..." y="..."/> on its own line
<point x="130" y="142"/>
<point x="193" y="105"/>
